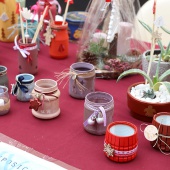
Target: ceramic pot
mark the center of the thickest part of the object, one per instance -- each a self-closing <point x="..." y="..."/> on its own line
<point x="4" y="100"/>
<point x="121" y="141"/>
<point x="46" y="94"/>
<point x="164" y="66"/>
<point x="82" y="79"/>
<point x="3" y="76"/>
<point x="98" y="112"/>
<point x="59" y="44"/>
<point x="28" y="63"/>
<point x="144" y="110"/>
<point x="23" y="87"/>
<point x="162" y="122"/>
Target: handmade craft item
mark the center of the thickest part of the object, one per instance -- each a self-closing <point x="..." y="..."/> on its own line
<point x="3" y="76"/>
<point x="45" y="102"/>
<point x="8" y="17"/>
<point x="57" y="38"/>
<point x="4" y="100"/>
<point x="27" y="56"/>
<point x="109" y="38"/>
<point x="121" y="141"/>
<point x="98" y="112"/>
<point x="161" y="138"/>
<point x="23" y="87"/>
<point x="54" y="8"/>
<point x="81" y="78"/>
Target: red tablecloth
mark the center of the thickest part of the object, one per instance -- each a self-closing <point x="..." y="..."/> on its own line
<point x="64" y="137"/>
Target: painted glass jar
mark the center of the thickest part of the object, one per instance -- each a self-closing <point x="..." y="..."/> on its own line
<point x="45" y="102"/>
<point x="98" y="112"/>
<point x="27" y="57"/>
<point x="23" y="87"/>
<point x="4" y="100"/>
<point x="59" y="43"/>
<point x="121" y="141"/>
<point x="82" y="79"/>
<point x="3" y="76"/>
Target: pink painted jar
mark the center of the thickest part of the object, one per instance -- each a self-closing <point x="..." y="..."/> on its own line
<point x="45" y="102"/>
<point x="28" y="62"/>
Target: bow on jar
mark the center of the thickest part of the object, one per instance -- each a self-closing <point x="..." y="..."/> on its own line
<point x="19" y="84"/>
<point x="96" y="117"/>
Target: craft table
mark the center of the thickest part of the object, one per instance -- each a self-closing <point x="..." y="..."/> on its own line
<point x="64" y="137"/>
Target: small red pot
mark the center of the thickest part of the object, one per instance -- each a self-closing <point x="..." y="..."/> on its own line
<point x="162" y="122"/>
<point x="144" y="110"/>
<point x="121" y="141"/>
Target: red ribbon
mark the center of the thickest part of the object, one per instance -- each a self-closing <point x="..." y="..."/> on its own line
<point x="108" y="0"/>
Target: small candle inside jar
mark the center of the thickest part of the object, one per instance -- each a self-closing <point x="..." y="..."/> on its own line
<point x="2" y="103"/>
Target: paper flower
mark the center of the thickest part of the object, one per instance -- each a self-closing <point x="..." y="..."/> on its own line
<point x="26" y="13"/>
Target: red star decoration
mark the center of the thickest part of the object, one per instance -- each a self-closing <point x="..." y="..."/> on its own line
<point x="3" y="1"/>
<point x="35" y="104"/>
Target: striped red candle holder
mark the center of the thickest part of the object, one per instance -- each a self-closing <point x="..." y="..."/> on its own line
<point x="162" y="122"/>
<point x="121" y="141"/>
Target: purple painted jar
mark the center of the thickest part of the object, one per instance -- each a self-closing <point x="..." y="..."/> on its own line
<point x="98" y="112"/>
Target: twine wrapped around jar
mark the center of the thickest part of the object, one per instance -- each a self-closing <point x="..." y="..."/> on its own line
<point x="81" y="79"/>
<point x="45" y="102"/>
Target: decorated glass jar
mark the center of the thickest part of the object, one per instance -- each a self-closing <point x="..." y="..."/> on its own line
<point x="27" y="57"/>
<point x="3" y="76"/>
<point x="121" y="141"/>
<point x="45" y="102"/>
<point x="82" y="79"/>
<point x="59" y="42"/>
<point x="98" y="112"/>
<point x="4" y="100"/>
<point x="23" y="87"/>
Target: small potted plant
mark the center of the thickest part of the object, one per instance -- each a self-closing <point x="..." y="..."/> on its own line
<point x="152" y="96"/>
<point x="165" y="56"/>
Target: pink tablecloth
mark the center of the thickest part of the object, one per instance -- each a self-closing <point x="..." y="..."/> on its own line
<point x="64" y="137"/>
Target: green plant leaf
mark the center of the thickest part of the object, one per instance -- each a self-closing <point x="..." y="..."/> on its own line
<point x="165" y="74"/>
<point x="147" y="27"/>
<point x="166" y="84"/>
<point x="136" y="71"/>
<point x="167" y="31"/>
<point x="167" y="49"/>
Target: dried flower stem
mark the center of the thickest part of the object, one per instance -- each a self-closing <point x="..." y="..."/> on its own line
<point x="22" y="27"/>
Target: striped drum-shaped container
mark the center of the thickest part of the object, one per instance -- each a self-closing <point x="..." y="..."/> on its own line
<point x="162" y="122"/>
<point x="121" y="141"/>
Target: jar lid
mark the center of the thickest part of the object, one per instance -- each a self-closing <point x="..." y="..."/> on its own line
<point x="76" y="16"/>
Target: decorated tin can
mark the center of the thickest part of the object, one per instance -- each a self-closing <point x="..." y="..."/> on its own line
<point x="59" y="42"/>
<point x="45" y="102"/>
<point x="3" y="76"/>
<point x="27" y="56"/>
<point x="162" y="122"/>
<point x="82" y="79"/>
<point x="121" y="141"/>
<point x="23" y="87"/>
<point x="4" y="100"/>
<point x="98" y="112"/>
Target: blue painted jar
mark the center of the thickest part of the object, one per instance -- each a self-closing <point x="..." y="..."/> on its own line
<point x="75" y="21"/>
<point x="23" y="87"/>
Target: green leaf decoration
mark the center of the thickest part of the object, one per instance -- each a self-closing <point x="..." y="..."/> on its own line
<point x="165" y="74"/>
<point x="147" y="27"/>
<point x="136" y="71"/>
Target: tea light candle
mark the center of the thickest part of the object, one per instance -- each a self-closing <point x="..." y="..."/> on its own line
<point x="2" y="103"/>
